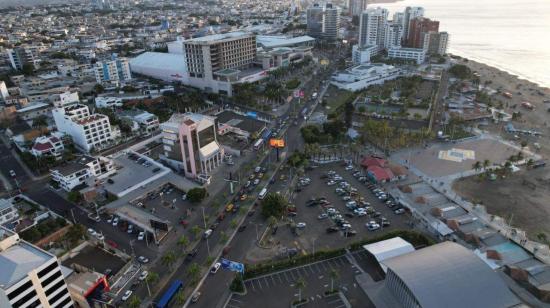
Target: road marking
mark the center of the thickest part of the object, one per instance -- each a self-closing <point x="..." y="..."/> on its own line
<point x="317" y="268"/>
<point x="258" y="281"/>
<point x="273" y="280"/>
<point x="279" y="276"/>
<point x="238" y="301"/>
<point x="310" y="269"/>
<point x="323" y="265"/>
<point x="291" y="274"/>
<point x="330" y="266"/>
<point x="253" y="289"/>
<point x="334" y="301"/>
<point x="266" y="281"/>
<point x="286" y="277"/>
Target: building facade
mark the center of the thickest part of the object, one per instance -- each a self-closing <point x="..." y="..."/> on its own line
<point x="31" y="277"/>
<point x="78" y="172"/>
<point x="418" y="55"/>
<point x="372" y="27"/>
<point x="323" y="22"/>
<point x="356" y="7"/>
<point x="20" y="56"/>
<point x="436" y="43"/>
<point x="418" y="28"/>
<point x="411" y="12"/>
<point x="190" y="143"/>
<point x="115" y="71"/>
<point x="88" y="131"/>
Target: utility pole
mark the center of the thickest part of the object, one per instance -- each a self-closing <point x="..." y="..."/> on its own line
<point x="231" y="181"/>
<point x="204" y="221"/>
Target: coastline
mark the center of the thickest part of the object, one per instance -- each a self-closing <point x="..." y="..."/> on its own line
<point x="498" y="77"/>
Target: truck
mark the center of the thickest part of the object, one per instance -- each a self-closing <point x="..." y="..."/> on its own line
<point x="258" y="144"/>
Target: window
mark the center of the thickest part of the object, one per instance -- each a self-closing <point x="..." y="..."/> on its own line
<point x="27" y="285"/>
<point x="58" y="296"/>
<point x="53" y="277"/>
<point x="56" y="286"/>
<point x="24" y="299"/>
<point x="48" y="269"/>
<point x="63" y="303"/>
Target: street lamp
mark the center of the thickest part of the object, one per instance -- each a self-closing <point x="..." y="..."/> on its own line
<point x="204" y="221"/>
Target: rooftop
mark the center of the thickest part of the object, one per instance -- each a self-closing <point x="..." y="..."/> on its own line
<point x="272" y="41"/>
<point x="218" y="37"/>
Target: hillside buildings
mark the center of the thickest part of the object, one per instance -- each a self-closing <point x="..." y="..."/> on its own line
<point x="20" y="56"/>
<point x="31" y="277"/>
<point x="190" y="144"/>
<point x="88" y="131"/>
<point x="323" y="21"/>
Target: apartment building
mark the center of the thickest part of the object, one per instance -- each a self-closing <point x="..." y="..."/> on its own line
<point x="323" y="22"/>
<point x="418" y="28"/>
<point x="411" y="12"/>
<point x="20" y="56"/>
<point x="31" y="277"/>
<point x="8" y="212"/>
<point x="3" y="91"/>
<point x="190" y="144"/>
<point x="115" y="71"/>
<point x="48" y="146"/>
<point x="356" y="7"/>
<point x="88" y="131"/>
<point x="78" y="172"/>
<point x="141" y="120"/>
<point x="418" y="55"/>
<point x="436" y="43"/>
<point x="394" y="35"/>
<point x="372" y="27"/>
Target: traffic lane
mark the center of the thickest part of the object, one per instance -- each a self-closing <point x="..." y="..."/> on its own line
<point x="10" y="163"/>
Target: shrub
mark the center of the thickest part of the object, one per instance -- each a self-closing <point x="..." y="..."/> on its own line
<point x="197" y="194"/>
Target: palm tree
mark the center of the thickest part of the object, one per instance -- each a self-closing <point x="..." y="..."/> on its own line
<point x="196" y="230"/>
<point x="476" y="166"/>
<point x="151" y="279"/>
<point x="183" y="241"/>
<point x="300" y="285"/>
<point x="271" y="221"/>
<point x="168" y="259"/>
<point x="223" y="236"/>
<point x="486" y="164"/>
<point x="193" y="271"/>
<point x="333" y="276"/>
<point x="180" y="297"/>
<point x="134" y="302"/>
<point x="530" y="162"/>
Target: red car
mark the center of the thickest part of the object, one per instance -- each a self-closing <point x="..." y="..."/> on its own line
<point x="184" y="223"/>
<point x="112" y="243"/>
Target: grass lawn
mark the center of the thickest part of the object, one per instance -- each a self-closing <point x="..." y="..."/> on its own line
<point x="336" y="98"/>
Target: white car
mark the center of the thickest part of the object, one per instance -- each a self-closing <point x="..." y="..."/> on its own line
<point x="115" y="221"/>
<point x="215" y="268"/>
<point x="256" y="181"/>
<point x="92" y="232"/>
<point x="301" y="225"/>
<point x="100" y="236"/>
<point x="12" y="173"/>
<point x="399" y="211"/>
<point x="143" y="275"/>
<point x="130" y="229"/>
<point x="348" y="168"/>
<point x="143" y="259"/>
<point x="362" y="213"/>
<point x="184" y="197"/>
<point x="331" y="182"/>
<point x="126" y="295"/>
<point x="322" y="216"/>
<point x="141" y="236"/>
<point x="372" y="225"/>
<point x="346" y="198"/>
<point x="110" y="220"/>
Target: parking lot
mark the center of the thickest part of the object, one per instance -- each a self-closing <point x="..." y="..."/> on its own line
<point x="315" y="234"/>
<point x="274" y="289"/>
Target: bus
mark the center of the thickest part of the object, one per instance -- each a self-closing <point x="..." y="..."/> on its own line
<point x="262" y="193"/>
<point x="169" y="294"/>
<point x="258" y="144"/>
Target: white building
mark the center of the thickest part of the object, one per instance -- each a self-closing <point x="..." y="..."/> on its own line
<point x="48" y="146"/>
<point x="8" y="212"/>
<point x="372" y="27"/>
<point x="323" y="21"/>
<point x="3" y="90"/>
<point x="78" y="172"/>
<point x="163" y="66"/>
<point x="363" y="54"/>
<point x="108" y="102"/>
<point x="356" y="7"/>
<point x="436" y="43"/>
<point x="394" y="35"/>
<point x="31" y="277"/>
<point x="88" y="131"/>
<point x="364" y="75"/>
<point x="415" y="54"/>
<point x="190" y="144"/>
<point x="144" y="121"/>
<point x="115" y="71"/>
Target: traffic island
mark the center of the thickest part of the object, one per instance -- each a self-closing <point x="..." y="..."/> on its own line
<point x="298" y="303"/>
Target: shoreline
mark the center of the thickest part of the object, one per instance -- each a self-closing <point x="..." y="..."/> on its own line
<point x="508" y="81"/>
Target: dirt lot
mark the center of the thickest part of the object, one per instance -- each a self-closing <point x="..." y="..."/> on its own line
<point x="524" y="197"/>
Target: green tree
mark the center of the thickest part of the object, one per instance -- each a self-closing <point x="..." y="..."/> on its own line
<point x="180" y="297"/>
<point x="476" y="166"/>
<point x="193" y="272"/>
<point x="273" y="205"/>
<point x="150" y="280"/>
<point x="28" y="69"/>
<point x="134" y="302"/>
<point x="183" y="242"/>
<point x="460" y="71"/>
<point x="74" y="196"/>
<point x="169" y="259"/>
<point x="196" y="230"/>
<point x="196" y="194"/>
<point x="271" y="221"/>
<point x="40" y="122"/>
<point x="98" y="89"/>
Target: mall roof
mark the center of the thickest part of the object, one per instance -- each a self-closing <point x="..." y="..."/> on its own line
<point x="159" y="60"/>
<point x="389" y="248"/>
<point x="217" y="37"/>
<point x="272" y="41"/>
<point x="449" y="275"/>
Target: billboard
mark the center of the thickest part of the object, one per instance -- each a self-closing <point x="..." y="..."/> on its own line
<point x="252" y="114"/>
<point x="232" y="266"/>
<point x="277" y="143"/>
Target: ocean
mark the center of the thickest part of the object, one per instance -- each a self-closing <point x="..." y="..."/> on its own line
<point x="511" y="35"/>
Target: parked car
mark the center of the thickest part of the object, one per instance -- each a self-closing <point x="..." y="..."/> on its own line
<point x="92" y="232"/>
<point x="126" y="295"/>
<point x="143" y="259"/>
<point x="115" y="221"/>
<point x="141" y="236"/>
<point x="372" y="225"/>
<point x="190" y="255"/>
<point x="332" y="229"/>
<point x="322" y="216"/>
<point x="242" y="228"/>
<point x="215" y="268"/>
<point x="301" y="225"/>
<point x="143" y="275"/>
<point x="195" y="297"/>
<point x="399" y="211"/>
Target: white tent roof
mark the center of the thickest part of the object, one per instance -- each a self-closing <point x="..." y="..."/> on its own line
<point x="387" y="249"/>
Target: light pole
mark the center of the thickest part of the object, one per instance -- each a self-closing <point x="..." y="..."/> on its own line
<point x="204" y="221"/>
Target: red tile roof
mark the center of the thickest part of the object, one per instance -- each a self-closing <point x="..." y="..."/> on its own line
<point x="380" y="174"/>
<point x="373" y="161"/>
<point x="42" y="146"/>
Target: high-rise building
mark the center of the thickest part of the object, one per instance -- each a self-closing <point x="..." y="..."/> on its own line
<point x="3" y="90"/>
<point x="394" y="35"/>
<point x="115" y="71"/>
<point x="190" y="144"/>
<point x="30" y="276"/>
<point x="410" y="14"/>
<point x="208" y="55"/>
<point x="331" y="22"/>
<point x="436" y="43"/>
<point x="323" y="21"/>
<point x="356" y="7"/>
<point x="20" y="56"/>
<point x="88" y="131"/>
<point x="418" y="27"/>
<point x="372" y="27"/>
